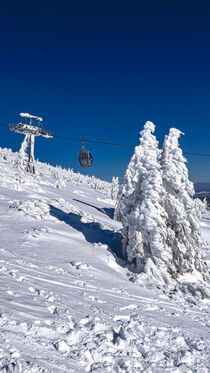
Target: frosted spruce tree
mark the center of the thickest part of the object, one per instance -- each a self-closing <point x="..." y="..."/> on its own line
<point x="21" y="161"/>
<point x="146" y="242"/>
<point x="22" y="157"/>
<point x="59" y="180"/>
<point x="114" y="188"/>
<point x="183" y="213"/>
<point x="125" y="199"/>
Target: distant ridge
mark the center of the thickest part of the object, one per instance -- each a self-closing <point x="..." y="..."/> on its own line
<point x="202" y="189"/>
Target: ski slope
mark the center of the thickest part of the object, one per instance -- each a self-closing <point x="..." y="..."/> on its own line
<point x="68" y="303"/>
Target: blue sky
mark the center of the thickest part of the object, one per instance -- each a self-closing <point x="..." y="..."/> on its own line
<point x="100" y="69"/>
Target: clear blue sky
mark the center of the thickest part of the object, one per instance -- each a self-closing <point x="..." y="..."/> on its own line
<point x="100" y="69"/>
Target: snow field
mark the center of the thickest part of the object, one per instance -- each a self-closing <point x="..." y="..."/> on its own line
<point x="68" y="303"/>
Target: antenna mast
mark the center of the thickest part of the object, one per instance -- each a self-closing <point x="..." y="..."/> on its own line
<point x="30" y="130"/>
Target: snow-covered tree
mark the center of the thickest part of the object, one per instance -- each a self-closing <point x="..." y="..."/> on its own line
<point x="146" y="241"/>
<point x="201" y="205"/>
<point x="183" y="213"/>
<point x="160" y="218"/>
<point x="21" y="161"/>
<point x="59" y="180"/>
<point x="125" y="199"/>
<point x="114" y="188"/>
<point x="22" y="158"/>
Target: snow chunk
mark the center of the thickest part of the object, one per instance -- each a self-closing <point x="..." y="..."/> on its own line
<point x="52" y="309"/>
<point x="62" y="346"/>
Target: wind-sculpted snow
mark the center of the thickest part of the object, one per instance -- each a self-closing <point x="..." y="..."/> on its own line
<point x="68" y="302"/>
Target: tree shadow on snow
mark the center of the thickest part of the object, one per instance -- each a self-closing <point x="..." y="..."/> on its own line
<point x="92" y="232"/>
<point x="107" y="211"/>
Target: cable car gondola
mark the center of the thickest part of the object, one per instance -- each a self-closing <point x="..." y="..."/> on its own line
<point x="85" y="156"/>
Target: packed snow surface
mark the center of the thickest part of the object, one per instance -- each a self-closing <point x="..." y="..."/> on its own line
<point x="68" y="302"/>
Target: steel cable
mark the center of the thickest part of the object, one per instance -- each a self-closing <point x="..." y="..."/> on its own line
<point x="107" y="143"/>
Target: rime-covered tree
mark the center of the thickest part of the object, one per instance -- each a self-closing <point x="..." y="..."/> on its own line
<point x="114" y="188"/>
<point x="22" y="158"/>
<point x="183" y="212"/>
<point x="146" y="235"/>
<point x="21" y="161"/>
<point x="125" y="197"/>
<point x="59" y="179"/>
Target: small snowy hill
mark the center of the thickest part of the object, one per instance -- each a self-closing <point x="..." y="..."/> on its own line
<point x="68" y="303"/>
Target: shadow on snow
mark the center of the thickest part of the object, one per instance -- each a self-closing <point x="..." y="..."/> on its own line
<point x="93" y="232"/>
<point x="107" y="211"/>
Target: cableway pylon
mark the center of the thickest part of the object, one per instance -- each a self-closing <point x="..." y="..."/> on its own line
<point x="31" y="127"/>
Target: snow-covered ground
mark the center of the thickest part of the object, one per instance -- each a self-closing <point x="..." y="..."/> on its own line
<point x="67" y="301"/>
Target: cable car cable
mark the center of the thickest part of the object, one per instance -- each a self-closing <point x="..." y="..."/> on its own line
<point x="199" y="154"/>
<point x="115" y="144"/>
<point x="4" y="125"/>
<point x="109" y="143"/>
<point x="93" y="141"/>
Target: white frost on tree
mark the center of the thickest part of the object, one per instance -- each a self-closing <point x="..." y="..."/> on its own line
<point x="59" y="180"/>
<point x="126" y="197"/>
<point x="160" y="218"/>
<point x="183" y="213"/>
<point x="114" y="188"/>
<point x="146" y="235"/>
<point x="22" y="158"/>
<point x="21" y="161"/>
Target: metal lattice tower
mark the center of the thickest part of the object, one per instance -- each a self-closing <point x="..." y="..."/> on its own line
<point x="30" y="130"/>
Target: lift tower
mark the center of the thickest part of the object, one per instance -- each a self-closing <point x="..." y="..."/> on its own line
<point x="31" y="127"/>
